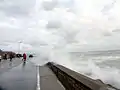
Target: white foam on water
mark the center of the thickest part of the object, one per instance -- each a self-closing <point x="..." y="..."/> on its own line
<point x="109" y="75"/>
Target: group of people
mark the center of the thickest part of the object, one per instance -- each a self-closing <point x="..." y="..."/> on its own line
<point x="11" y="56"/>
<point x="5" y="56"/>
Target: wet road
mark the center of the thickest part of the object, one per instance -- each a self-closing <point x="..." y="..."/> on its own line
<point x="48" y="80"/>
<point x="6" y="65"/>
<point x="17" y="75"/>
<point x="22" y="77"/>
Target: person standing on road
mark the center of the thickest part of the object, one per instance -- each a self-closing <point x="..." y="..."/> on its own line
<point x="0" y="58"/>
<point x="11" y="56"/>
<point x="24" y="57"/>
<point x="5" y="56"/>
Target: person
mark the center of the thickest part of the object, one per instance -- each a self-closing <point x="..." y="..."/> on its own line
<point x="5" y="56"/>
<point x="30" y="56"/>
<point x="24" y="57"/>
<point x="11" y="56"/>
<point x="0" y="58"/>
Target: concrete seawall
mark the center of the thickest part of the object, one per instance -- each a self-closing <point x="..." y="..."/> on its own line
<point x="72" y="80"/>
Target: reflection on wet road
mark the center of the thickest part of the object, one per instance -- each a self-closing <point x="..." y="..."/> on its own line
<point x="22" y="77"/>
<point x="6" y="65"/>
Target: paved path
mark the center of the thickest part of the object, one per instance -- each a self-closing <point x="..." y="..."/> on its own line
<point x="22" y="77"/>
<point x="48" y="80"/>
<point x="6" y="65"/>
<point x="27" y="76"/>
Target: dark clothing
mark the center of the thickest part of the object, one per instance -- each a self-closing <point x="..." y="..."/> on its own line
<point x="5" y="56"/>
<point x="0" y="58"/>
<point x="11" y="57"/>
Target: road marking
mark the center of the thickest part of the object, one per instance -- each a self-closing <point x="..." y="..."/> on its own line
<point x="38" y="78"/>
<point x="61" y="84"/>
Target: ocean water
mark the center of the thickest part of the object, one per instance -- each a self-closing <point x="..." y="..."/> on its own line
<point x="103" y="65"/>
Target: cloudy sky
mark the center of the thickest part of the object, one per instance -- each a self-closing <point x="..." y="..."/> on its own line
<point x="69" y="24"/>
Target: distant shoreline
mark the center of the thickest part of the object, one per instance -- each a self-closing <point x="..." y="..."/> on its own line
<point x="96" y="51"/>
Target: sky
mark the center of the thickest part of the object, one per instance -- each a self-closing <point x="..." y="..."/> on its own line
<point x="72" y="25"/>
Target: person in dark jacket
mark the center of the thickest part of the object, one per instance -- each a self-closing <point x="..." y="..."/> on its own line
<point x="11" y="56"/>
<point x="5" y="56"/>
<point x="0" y="58"/>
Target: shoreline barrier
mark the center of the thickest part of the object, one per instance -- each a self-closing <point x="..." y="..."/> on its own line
<point x="72" y="80"/>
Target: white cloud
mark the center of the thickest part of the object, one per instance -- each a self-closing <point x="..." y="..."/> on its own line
<point x="53" y="24"/>
<point x="72" y="21"/>
<point x="49" y="4"/>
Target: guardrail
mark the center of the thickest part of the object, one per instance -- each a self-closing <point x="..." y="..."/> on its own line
<point x="72" y="80"/>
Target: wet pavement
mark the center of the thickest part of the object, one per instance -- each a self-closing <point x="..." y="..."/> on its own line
<point x="48" y="80"/>
<point x="17" y="75"/>
<point x="6" y="65"/>
<point x="22" y="77"/>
